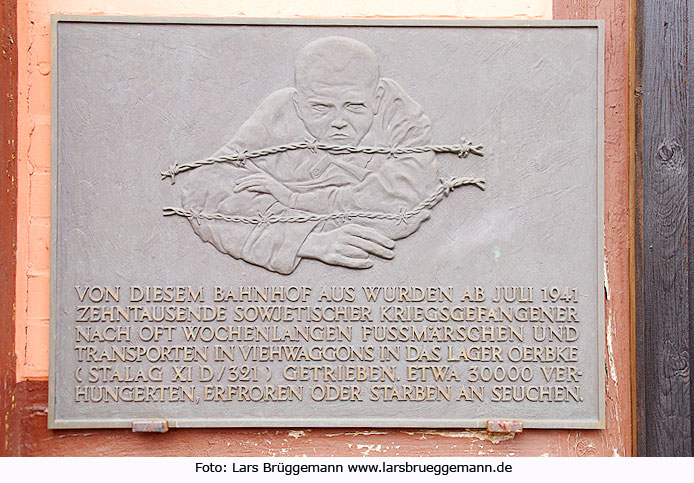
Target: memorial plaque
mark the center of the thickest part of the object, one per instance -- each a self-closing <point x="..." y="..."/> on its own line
<point x="326" y="223"/>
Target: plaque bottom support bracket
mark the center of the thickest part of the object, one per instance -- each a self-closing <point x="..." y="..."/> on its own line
<point x="150" y="426"/>
<point x="504" y="426"/>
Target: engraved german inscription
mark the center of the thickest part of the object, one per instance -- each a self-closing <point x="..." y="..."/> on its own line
<point x="393" y="344"/>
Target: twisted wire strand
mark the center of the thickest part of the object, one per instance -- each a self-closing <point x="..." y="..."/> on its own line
<point x="239" y="158"/>
<point x="446" y="186"/>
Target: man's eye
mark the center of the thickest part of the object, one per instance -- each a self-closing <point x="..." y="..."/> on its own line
<point x="356" y="107"/>
<point x="319" y="107"/>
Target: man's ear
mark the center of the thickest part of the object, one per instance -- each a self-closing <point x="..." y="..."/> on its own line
<point x="378" y="96"/>
<point x="295" y="101"/>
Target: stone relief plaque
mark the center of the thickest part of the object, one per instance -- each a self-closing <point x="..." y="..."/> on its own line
<point x="326" y="223"/>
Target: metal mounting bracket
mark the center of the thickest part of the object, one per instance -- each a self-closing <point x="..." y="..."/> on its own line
<point x="504" y="426"/>
<point x="151" y="426"/>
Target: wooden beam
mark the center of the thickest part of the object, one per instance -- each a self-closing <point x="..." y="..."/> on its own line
<point x="8" y="218"/>
<point x="690" y="203"/>
<point x="663" y="332"/>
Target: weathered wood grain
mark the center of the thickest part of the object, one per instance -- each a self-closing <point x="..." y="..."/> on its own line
<point x="663" y="318"/>
<point x="690" y="202"/>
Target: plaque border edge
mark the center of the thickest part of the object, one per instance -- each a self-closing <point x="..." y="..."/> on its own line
<point x="599" y="24"/>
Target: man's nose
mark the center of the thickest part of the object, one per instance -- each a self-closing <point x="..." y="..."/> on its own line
<point x="338" y="123"/>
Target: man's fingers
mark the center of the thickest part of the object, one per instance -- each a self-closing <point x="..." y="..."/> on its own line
<point x="351" y="262"/>
<point x="374" y="236"/>
<point x="370" y="247"/>
<point x="353" y="252"/>
<point x="250" y="185"/>
<point x="257" y="189"/>
<point x="367" y="233"/>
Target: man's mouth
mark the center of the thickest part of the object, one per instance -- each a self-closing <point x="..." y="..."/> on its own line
<point x="342" y="139"/>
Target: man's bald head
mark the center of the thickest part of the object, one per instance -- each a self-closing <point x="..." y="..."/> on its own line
<point x="332" y="60"/>
<point x="337" y="90"/>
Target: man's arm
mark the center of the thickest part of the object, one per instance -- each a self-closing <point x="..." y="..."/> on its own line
<point x="398" y="184"/>
<point x="273" y="246"/>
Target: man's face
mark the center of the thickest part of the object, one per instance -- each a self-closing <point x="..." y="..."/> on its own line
<point x="338" y="112"/>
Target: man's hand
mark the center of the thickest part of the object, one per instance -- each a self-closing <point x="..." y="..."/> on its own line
<point x="347" y="246"/>
<point x="262" y="183"/>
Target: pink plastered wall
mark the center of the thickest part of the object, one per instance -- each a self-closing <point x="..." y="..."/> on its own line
<point x="34" y="181"/>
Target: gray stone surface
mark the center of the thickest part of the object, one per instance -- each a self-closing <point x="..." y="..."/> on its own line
<point x="130" y="99"/>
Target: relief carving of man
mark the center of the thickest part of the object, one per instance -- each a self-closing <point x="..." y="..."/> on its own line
<point x="338" y="98"/>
